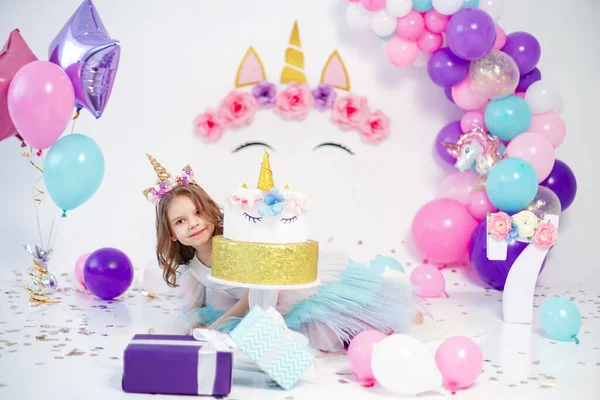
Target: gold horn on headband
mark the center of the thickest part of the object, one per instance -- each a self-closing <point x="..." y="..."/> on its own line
<point x="265" y="179"/>
<point x="161" y="172"/>
<point x="293" y="71"/>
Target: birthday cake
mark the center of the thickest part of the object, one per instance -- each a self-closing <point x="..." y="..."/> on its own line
<point x="265" y="236"/>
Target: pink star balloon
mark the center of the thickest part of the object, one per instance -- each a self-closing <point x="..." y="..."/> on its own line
<point x="89" y="56"/>
<point x="13" y="56"/>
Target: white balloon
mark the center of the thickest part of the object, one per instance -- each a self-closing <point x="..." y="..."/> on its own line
<point x="398" y="8"/>
<point x="357" y="17"/>
<point x="447" y="7"/>
<point x="403" y="365"/>
<point x="495" y="8"/>
<point x="543" y="97"/>
<point x="422" y="59"/>
<point x="383" y="24"/>
<point x="559" y="106"/>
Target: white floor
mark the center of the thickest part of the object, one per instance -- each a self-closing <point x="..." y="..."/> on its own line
<point x="73" y="350"/>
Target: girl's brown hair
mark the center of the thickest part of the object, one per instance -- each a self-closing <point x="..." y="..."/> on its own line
<point x="172" y="254"/>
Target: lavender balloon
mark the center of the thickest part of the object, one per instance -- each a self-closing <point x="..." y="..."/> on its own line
<point x="446" y="69"/>
<point x="471" y="33"/>
<point x="493" y="273"/>
<point x="89" y="56"/>
<point x="528" y="79"/>
<point x="448" y="134"/>
<point x="562" y="182"/>
<point x="108" y="273"/>
<point x="524" y="48"/>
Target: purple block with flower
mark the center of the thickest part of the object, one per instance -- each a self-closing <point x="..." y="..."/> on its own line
<point x="173" y="364"/>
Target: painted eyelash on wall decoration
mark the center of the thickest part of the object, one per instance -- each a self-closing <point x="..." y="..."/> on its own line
<point x="293" y="101"/>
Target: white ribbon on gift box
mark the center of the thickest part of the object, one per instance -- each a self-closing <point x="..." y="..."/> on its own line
<point x="520" y="283"/>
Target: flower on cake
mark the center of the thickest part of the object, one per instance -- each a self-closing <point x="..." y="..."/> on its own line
<point x="272" y="203"/>
<point x="238" y="108"/>
<point x="526" y="221"/>
<point x="296" y="203"/>
<point x="350" y="112"/>
<point x="295" y="101"/>
<point x="545" y="235"/>
<point x="244" y="198"/>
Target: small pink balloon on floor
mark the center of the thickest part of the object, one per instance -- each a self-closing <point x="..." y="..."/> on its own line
<point x="360" y="353"/>
<point x="79" y="265"/>
<point x="428" y="281"/>
<point x="460" y="361"/>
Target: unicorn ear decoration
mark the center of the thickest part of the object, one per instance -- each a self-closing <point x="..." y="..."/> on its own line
<point x="476" y="150"/>
<point x="295" y="99"/>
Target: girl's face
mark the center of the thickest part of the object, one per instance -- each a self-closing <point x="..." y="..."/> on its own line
<point x="186" y="223"/>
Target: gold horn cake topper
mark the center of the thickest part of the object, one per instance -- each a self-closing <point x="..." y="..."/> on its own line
<point x="265" y="179"/>
<point x="293" y="71"/>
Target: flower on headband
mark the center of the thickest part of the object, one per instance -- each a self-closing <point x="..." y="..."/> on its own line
<point x="294" y="102"/>
<point x="350" y="112"/>
<point x="324" y="96"/>
<point x="238" y="109"/>
<point x="545" y="235"/>
<point x="264" y="93"/>
<point x="272" y="203"/>
<point x="376" y="128"/>
<point x="209" y="126"/>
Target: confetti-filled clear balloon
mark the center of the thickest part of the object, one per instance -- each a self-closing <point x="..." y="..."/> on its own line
<point x="494" y="75"/>
<point x="546" y="202"/>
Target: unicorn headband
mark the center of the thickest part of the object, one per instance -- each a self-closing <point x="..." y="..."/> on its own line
<point x="295" y="100"/>
<point x="165" y="182"/>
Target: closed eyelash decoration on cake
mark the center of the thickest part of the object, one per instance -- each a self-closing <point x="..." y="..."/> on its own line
<point x="294" y="100"/>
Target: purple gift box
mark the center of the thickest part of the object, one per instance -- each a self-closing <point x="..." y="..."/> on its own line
<point x="173" y="364"/>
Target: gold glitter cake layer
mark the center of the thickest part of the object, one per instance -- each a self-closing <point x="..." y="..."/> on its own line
<point x="266" y="264"/>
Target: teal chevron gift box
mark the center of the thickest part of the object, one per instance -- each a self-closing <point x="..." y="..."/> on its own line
<point x="264" y="337"/>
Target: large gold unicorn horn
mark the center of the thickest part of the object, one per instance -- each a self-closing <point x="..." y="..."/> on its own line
<point x="265" y="179"/>
<point x="293" y="71"/>
<point x="161" y="172"/>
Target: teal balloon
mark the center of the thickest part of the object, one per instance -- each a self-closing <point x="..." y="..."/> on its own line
<point x="512" y="184"/>
<point x="385" y="263"/>
<point x="422" y="5"/>
<point x="73" y="171"/>
<point x="508" y="117"/>
<point x="386" y="38"/>
<point x="470" y="4"/>
<point x="561" y="319"/>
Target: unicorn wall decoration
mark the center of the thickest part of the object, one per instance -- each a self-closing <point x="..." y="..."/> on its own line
<point x="476" y="149"/>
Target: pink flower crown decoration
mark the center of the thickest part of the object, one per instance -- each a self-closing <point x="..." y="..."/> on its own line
<point x="165" y="182"/>
<point x="524" y="226"/>
<point x="295" y="100"/>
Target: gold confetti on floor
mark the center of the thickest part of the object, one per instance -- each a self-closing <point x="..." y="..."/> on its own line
<point x="536" y="362"/>
<point x="3" y="385"/>
<point x="75" y="352"/>
<point x="549" y="377"/>
<point x="547" y="385"/>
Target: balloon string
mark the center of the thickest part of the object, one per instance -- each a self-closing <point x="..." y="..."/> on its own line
<point x="37" y="194"/>
<point x="447" y="295"/>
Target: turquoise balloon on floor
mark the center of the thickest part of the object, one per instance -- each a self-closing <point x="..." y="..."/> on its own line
<point x="561" y="319"/>
<point x="73" y="171"/>
<point x="512" y="184"/>
<point x="385" y="263"/>
<point x="508" y="117"/>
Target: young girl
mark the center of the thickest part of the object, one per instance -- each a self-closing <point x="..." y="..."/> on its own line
<point x="352" y="298"/>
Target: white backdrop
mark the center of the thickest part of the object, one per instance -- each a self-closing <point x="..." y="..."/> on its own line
<point x="179" y="58"/>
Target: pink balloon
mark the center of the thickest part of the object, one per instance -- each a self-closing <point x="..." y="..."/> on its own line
<point x="470" y="119"/>
<point x="479" y="205"/>
<point x="40" y="102"/>
<point x="373" y="5"/>
<point x="411" y="26"/>
<point x="402" y="53"/>
<point x="428" y="281"/>
<point x="441" y="230"/>
<point x="466" y="97"/>
<point x="360" y="352"/>
<point x="551" y="126"/>
<point x="79" y="264"/>
<point x="535" y="148"/>
<point x="436" y="22"/>
<point x="500" y="38"/>
<point x="430" y="42"/>
<point x="457" y="186"/>
<point x="460" y="361"/>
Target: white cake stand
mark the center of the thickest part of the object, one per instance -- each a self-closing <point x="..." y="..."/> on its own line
<point x="264" y="296"/>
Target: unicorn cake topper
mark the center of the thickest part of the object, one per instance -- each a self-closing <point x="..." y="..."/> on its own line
<point x="295" y="100"/>
<point x="476" y="149"/>
<point x="165" y="182"/>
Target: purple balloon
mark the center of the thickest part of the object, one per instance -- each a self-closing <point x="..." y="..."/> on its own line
<point x="448" y="134"/>
<point x="446" y="69"/>
<point x="524" y="48"/>
<point x="471" y="33"/>
<point x="448" y="93"/>
<point x="108" y="273"/>
<point x="562" y="182"/>
<point x="528" y="79"/>
<point x="493" y="273"/>
<point x="89" y="56"/>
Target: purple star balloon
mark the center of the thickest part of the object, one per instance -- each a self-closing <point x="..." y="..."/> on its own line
<point x="89" y="56"/>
